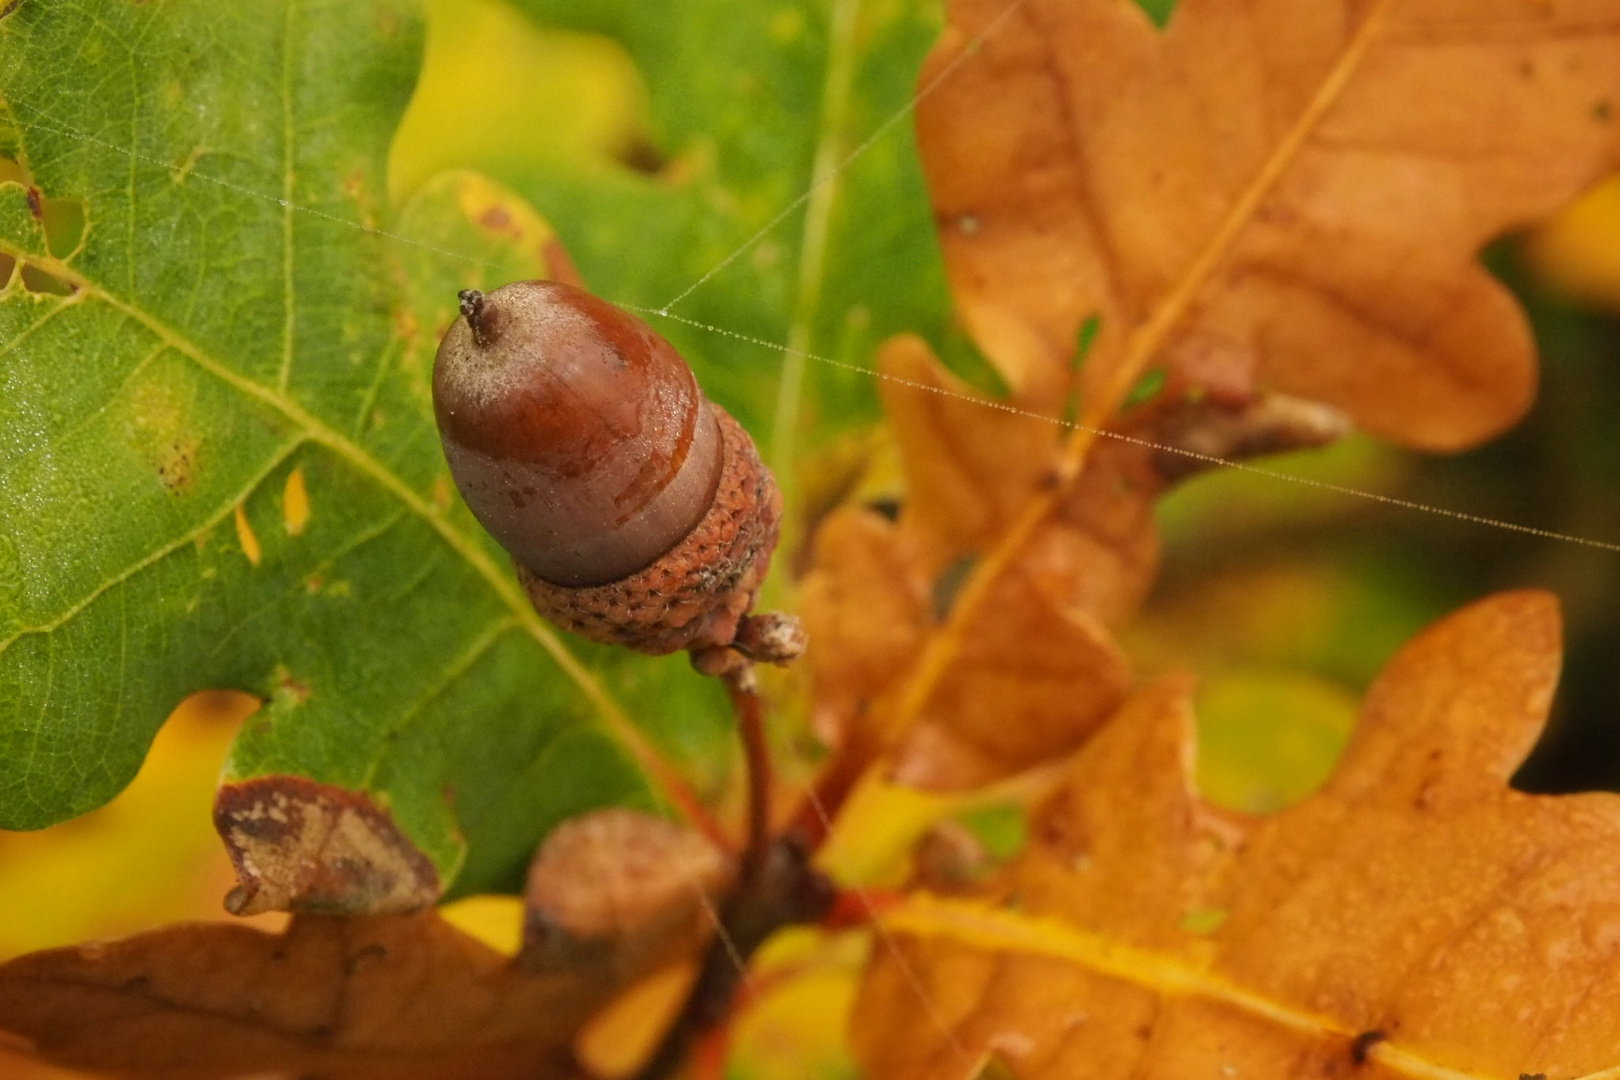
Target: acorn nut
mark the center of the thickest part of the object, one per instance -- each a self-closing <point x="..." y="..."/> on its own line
<point x="637" y="511"/>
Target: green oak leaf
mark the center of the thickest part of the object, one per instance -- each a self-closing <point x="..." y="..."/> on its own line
<point x="248" y="327"/>
<point x="787" y="148"/>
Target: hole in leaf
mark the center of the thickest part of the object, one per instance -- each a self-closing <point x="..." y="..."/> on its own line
<point x="1204" y="921"/>
<point x="63" y="220"/>
<point x="995" y="1067"/>
<point x="1146" y="387"/>
<point x="1084" y="340"/>
<point x="36" y="280"/>
<point x="1003" y="828"/>
<point x="8" y="266"/>
<point x="1158" y="10"/>
<point x="12" y="172"/>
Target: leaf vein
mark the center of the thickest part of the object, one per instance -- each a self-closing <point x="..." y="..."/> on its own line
<point x="207" y="525"/>
<point x="503" y="585"/>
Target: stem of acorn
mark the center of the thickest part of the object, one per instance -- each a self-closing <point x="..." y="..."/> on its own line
<point x="472" y="305"/>
<point x="775" y="887"/>
<point x="743" y="689"/>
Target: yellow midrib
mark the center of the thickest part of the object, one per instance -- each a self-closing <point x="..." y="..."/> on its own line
<point x="1144" y="343"/>
<point x="978" y="926"/>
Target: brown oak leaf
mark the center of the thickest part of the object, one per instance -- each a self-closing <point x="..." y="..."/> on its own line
<point x="356" y="997"/>
<point x="620" y="890"/>
<point x="1284" y="193"/>
<point x="614" y="896"/>
<point x="1036" y="675"/>
<point x="1415" y="917"/>
<point x="1037" y="669"/>
<point x="298" y="845"/>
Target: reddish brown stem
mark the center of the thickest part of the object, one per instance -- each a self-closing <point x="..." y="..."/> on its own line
<point x="785" y="891"/>
<point x="775" y="887"/>
<point x="744" y="693"/>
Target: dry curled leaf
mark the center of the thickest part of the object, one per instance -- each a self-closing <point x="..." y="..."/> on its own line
<point x="969" y="466"/>
<point x="1415" y="917"/>
<point x="346" y="998"/>
<point x="613" y="896"/>
<point x="1286" y="193"/>
<point x="1040" y="670"/>
<point x="620" y="890"/>
<point x="866" y="608"/>
<point x="1035" y="672"/>
<point x="302" y="846"/>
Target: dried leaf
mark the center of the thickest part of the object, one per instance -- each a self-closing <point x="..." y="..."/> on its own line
<point x="969" y="466"/>
<point x="866" y="609"/>
<point x="620" y="890"/>
<point x="1040" y="671"/>
<point x="384" y="997"/>
<point x="302" y="846"/>
<point x="1299" y="187"/>
<point x="1416" y="917"/>
<point x="1032" y="680"/>
<point x="613" y="896"/>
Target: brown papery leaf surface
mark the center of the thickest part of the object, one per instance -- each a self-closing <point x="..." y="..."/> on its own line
<point x="613" y="897"/>
<point x="1414" y="918"/>
<point x="1287" y="194"/>
<point x="1041" y="670"/>
<point x="356" y="997"/>
<point x="1037" y="669"/>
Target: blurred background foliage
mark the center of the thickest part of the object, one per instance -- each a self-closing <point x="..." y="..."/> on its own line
<point x="1286" y="599"/>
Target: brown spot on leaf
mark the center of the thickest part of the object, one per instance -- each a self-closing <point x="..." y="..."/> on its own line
<point x="176" y="467"/>
<point x="441" y="493"/>
<point x="1361" y="1046"/>
<point x="290" y="691"/>
<point x="64" y="221"/>
<point x="640" y="155"/>
<point x="36" y="204"/>
<point x="298" y="845"/>
<point x="496" y="219"/>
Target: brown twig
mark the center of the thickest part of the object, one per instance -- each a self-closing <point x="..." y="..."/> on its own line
<point x="775" y="885"/>
<point x="786" y="891"/>
<point x="743" y="689"/>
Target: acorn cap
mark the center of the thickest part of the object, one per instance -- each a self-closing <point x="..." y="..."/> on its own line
<point x="577" y="435"/>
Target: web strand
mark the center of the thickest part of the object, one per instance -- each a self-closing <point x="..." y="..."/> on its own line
<point x="44" y="122"/>
<point x="56" y="126"/>
<point x="1207" y="459"/>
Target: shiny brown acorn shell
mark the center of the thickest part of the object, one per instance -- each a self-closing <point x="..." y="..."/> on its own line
<point x="693" y="595"/>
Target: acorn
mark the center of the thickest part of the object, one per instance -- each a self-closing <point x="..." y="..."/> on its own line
<point x="637" y="511"/>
